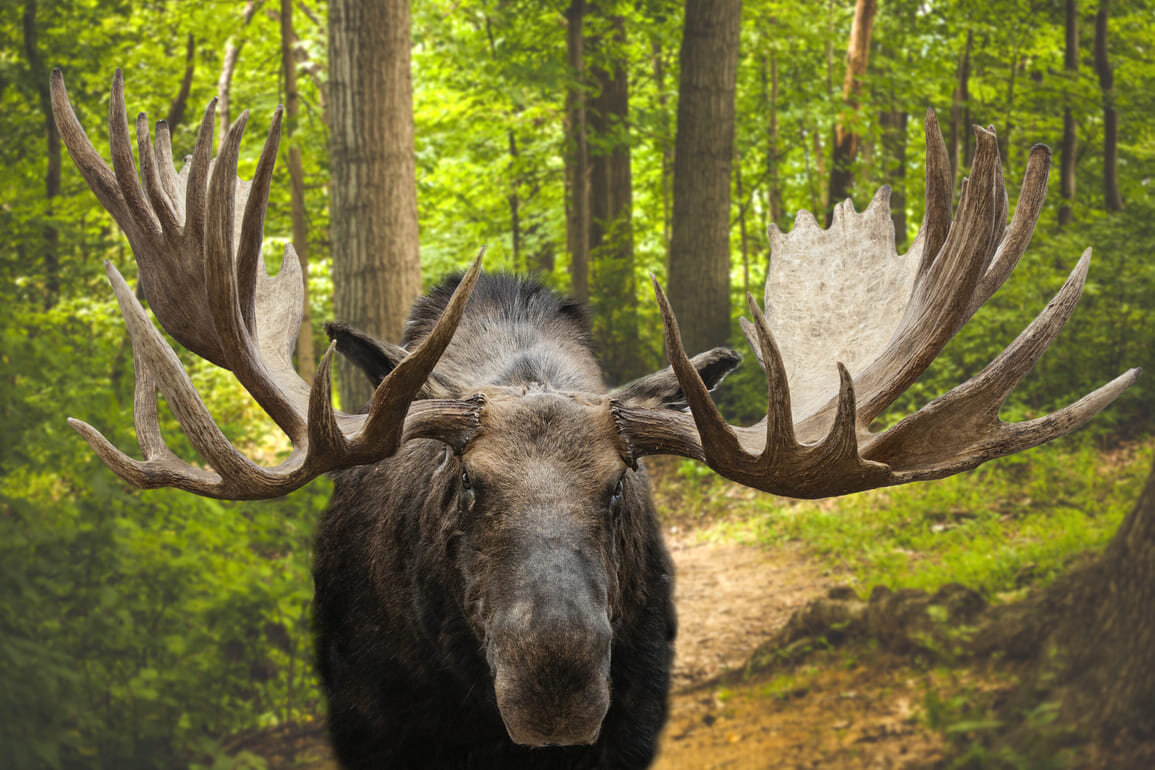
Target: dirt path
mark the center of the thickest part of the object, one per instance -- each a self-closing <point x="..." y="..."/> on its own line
<point x="730" y="599"/>
<point x="833" y="712"/>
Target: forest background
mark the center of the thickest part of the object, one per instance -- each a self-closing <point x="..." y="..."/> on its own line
<point x="138" y="629"/>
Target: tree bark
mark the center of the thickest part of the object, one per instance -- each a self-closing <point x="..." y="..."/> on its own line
<point x="893" y="123"/>
<point x="577" y="156"/>
<point x="1008" y="127"/>
<point x="846" y="141"/>
<point x="176" y="110"/>
<point x="39" y="76"/>
<point x="514" y="179"/>
<point x="1112" y="200"/>
<point x="960" y="111"/>
<point x="1108" y="645"/>
<point x="228" y="65"/>
<point x="664" y="147"/>
<point x="743" y="238"/>
<point x="1070" y="128"/>
<point x="614" y="299"/>
<point x="305" y="360"/>
<point x="773" y="153"/>
<point x="699" y="277"/>
<point x="373" y="190"/>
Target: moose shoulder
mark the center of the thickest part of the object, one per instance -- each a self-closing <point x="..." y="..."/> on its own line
<point x="492" y="590"/>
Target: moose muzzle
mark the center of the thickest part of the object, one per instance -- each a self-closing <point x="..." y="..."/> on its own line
<point x="549" y="650"/>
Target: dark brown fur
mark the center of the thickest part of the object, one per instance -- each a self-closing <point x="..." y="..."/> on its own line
<point x="442" y="596"/>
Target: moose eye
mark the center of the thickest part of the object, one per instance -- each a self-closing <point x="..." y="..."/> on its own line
<point x="466" y="484"/>
<point x="616" y="497"/>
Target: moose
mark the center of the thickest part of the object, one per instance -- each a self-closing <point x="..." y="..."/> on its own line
<point x="492" y="588"/>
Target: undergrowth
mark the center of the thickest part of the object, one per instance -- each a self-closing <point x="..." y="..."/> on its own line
<point x="1010" y="524"/>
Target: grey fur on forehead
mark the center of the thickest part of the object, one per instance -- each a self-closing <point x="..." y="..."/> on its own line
<point x="836" y="295"/>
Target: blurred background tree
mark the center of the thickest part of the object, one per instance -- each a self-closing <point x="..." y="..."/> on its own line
<point x="138" y="628"/>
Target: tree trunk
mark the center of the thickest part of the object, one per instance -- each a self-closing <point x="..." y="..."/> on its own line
<point x="893" y="123"/>
<point x="1070" y="129"/>
<point x="773" y="152"/>
<point x="1112" y="200"/>
<point x="699" y="277"/>
<point x="845" y="139"/>
<point x="228" y="65"/>
<point x="1008" y="127"/>
<point x="373" y="191"/>
<point x="514" y="180"/>
<point x="305" y="361"/>
<point x="614" y="299"/>
<point x="176" y="110"/>
<point x="50" y="254"/>
<point x="664" y="147"/>
<point x="960" y="112"/>
<point x="743" y="239"/>
<point x="1107" y="644"/>
<point x="577" y="156"/>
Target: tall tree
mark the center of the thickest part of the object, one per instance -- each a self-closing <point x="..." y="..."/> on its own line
<point x="38" y="75"/>
<point x="699" y="277"/>
<point x="373" y="189"/>
<point x="1112" y="200"/>
<point x="180" y="102"/>
<point x="773" y="151"/>
<point x="305" y="362"/>
<point x="893" y="122"/>
<point x="611" y="241"/>
<point x="960" y="114"/>
<point x="577" y="155"/>
<point x="1070" y="128"/>
<point x="233" y="48"/>
<point x="846" y="139"/>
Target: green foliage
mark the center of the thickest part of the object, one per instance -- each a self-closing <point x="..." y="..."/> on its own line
<point x="134" y="625"/>
<point x="1011" y="523"/>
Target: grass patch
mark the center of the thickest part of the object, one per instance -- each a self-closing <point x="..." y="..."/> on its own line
<point x="1012" y="523"/>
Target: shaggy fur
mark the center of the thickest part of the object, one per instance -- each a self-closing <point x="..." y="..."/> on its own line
<point x="410" y="561"/>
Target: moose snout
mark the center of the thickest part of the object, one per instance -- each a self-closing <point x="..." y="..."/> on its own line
<point x="552" y="680"/>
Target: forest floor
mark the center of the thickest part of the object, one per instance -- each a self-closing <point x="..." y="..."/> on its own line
<point x="855" y="707"/>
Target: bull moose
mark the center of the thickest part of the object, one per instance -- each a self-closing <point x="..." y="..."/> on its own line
<point x="492" y="589"/>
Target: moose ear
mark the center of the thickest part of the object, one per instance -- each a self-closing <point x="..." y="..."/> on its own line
<point x="377" y="359"/>
<point x="661" y="389"/>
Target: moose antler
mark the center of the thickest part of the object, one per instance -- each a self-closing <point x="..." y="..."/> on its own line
<point x="197" y="237"/>
<point x="843" y="294"/>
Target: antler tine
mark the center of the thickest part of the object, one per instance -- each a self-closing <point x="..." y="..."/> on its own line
<point x="325" y="436"/>
<point x="393" y="395"/>
<point x="196" y="184"/>
<point x="161" y="204"/>
<point x="162" y="364"/>
<point x="825" y="446"/>
<point x="123" y="164"/>
<point x="91" y="165"/>
<point x="936" y="219"/>
<point x="780" y="436"/>
<point x="201" y="268"/>
<point x="1018" y="234"/>
<point x="941" y="294"/>
<point x="965" y="423"/>
<point x="717" y="438"/>
<point x="165" y="165"/>
<point x="226" y="298"/>
<point x="248" y="259"/>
